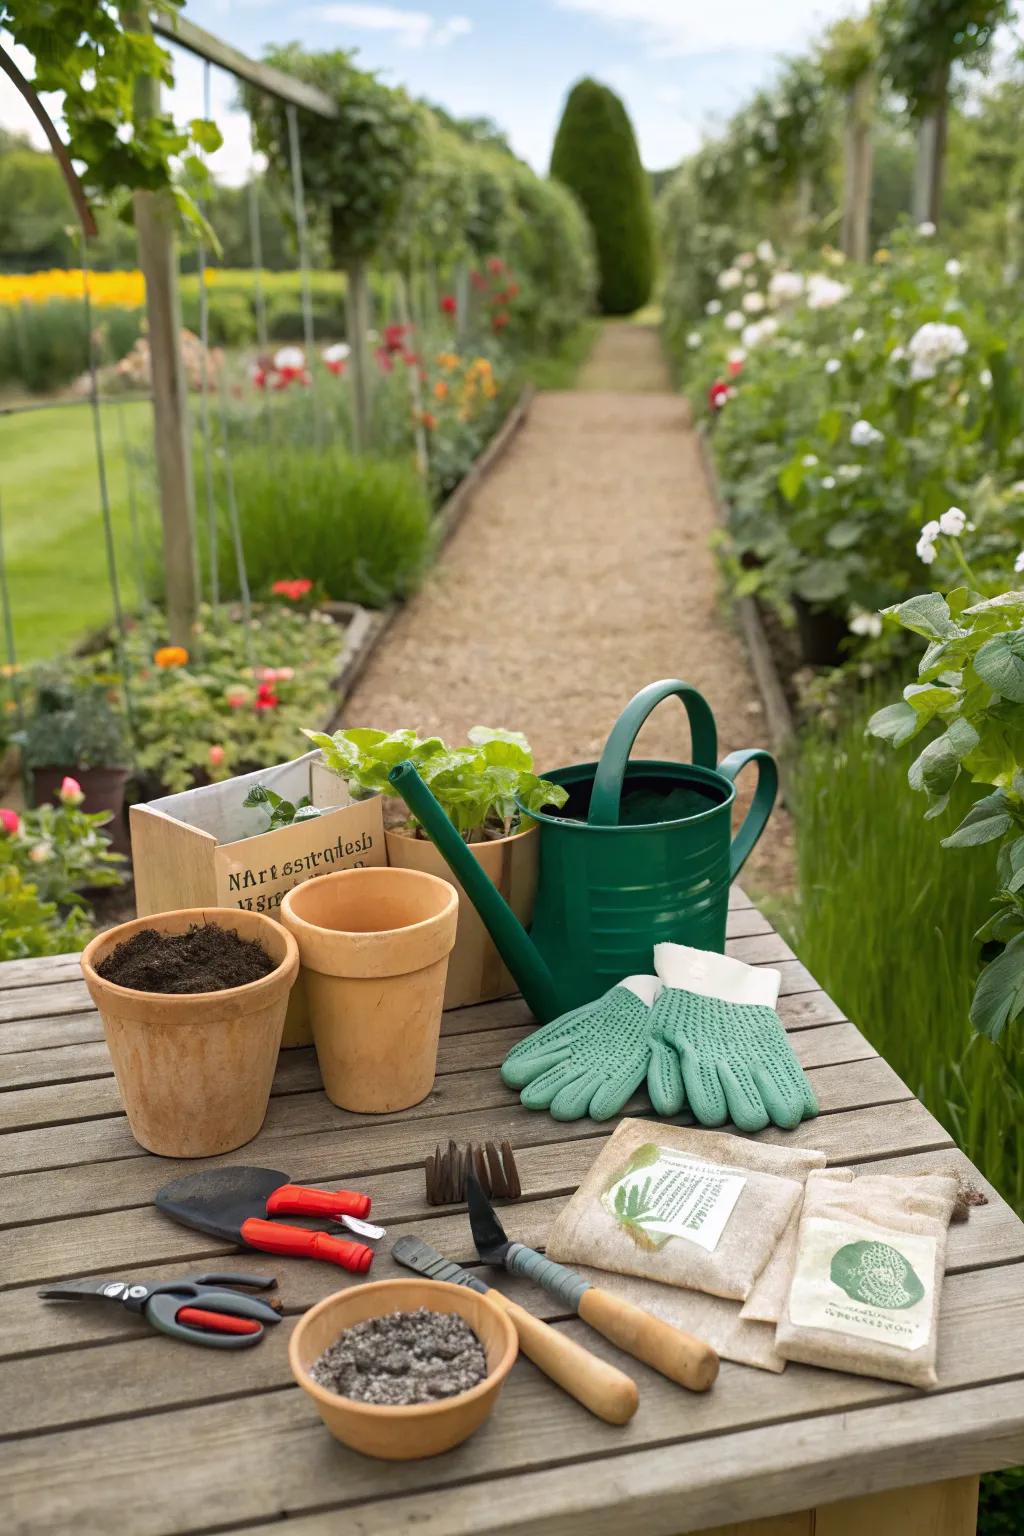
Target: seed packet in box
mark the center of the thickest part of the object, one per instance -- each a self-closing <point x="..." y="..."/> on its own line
<point x="692" y="1208"/>
<point x="867" y="1277"/>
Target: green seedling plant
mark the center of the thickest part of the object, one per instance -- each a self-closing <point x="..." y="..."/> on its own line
<point x="480" y="786"/>
<point x="280" y="812"/>
<point x="970" y="691"/>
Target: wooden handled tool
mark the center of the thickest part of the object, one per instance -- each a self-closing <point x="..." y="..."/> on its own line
<point x="606" y="1392"/>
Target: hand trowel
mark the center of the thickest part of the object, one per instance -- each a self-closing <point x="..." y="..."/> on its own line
<point x="232" y="1204"/>
<point x="607" y="1392"/>
<point x="678" y="1355"/>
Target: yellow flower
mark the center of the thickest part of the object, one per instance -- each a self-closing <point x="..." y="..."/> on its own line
<point x="448" y="361"/>
<point x="171" y="656"/>
<point x="882" y="256"/>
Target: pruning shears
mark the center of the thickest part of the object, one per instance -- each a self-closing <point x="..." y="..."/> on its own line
<point x="200" y="1309"/>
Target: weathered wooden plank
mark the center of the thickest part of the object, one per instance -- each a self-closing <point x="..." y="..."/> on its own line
<point x="186" y="1452"/>
<point x="47" y="969"/>
<point x="748" y="1475"/>
<point x="142" y="1242"/>
<point x="760" y="949"/>
<point x="743" y="921"/>
<point x="868" y="1081"/>
<point x="44" y="1034"/>
<point x="47" y="999"/>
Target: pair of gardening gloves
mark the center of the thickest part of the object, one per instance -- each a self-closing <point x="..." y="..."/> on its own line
<point x="703" y="1032"/>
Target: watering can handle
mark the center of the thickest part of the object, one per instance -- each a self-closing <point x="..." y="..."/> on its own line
<point x="611" y="770"/>
<point x="760" y="806"/>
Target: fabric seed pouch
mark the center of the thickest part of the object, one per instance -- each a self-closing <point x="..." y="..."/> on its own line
<point x="696" y="1209"/>
<point x="867" y="1275"/>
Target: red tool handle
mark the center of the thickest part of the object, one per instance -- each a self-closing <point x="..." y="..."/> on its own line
<point x="301" y="1243"/>
<point x="296" y="1200"/>
<point x="218" y="1322"/>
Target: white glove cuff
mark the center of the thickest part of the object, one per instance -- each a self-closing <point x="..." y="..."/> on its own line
<point x="711" y="975"/>
<point x="646" y="988"/>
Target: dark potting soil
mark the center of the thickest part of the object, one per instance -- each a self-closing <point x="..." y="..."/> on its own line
<point x="403" y="1358"/>
<point x="207" y="958"/>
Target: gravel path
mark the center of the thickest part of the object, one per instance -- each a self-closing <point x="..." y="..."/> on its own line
<point x="581" y="572"/>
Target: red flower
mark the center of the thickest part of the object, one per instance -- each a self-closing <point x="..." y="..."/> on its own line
<point x="384" y="362"/>
<point x="258" y="376"/>
<point x="495" y="264"/>
<point x="735" y="366"/>
<point x="478" y="280"/>
<point x="295" y="590"/>
<point x="394" y="337"/>
<point x="513" y="290"/>
<point x="266" y="698"/>
<point x="429" y="420"/>
<point x="449" y="304"/>
<point x="410" y="359"/>
<point x="500" y="320"/>
<point x="718" y="394"/>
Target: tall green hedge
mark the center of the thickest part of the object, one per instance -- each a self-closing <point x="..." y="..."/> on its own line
<point x="595" y="155"/>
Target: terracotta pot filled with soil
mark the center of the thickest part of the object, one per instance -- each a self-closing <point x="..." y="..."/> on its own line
<point x="374" y="946"/>
<point x="403" y="1368"/>
<point x="193" y="1005"/>
<point x="476" y="972"/>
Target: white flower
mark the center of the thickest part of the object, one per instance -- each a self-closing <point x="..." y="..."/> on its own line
<point x="736" y="355"/>
<point x="823" y="292"/>
<point x="765" y="250"/>
<point x="734" y="320"/>
<point x="863" y="622"/>
<point x="932" y="345"/>
<point x="337" y="353"/>
<point x="847" y="473"/>
<point x="863" y="434"/>
<point x="925" y="550"/>
<point x="287" y="358"/>
<point x="753" y="303"/>
<point x="809" y="460"/>
<point x="926" y="228"/>
<point x="985" y="378"/>
<point x="758" y="331"/>
<point x="745" y="260"/>
<point x="953" y="267"/>
<point x="833" y="365"/>
<point x="785" y="287"/>
<point x="694" y="339"/>
<point x="729" y="279"/>
<point x="859" y="333"/>
<point x="713" y="307"/>
<point x="897" y="354"/>
<point x="828" y="483"/>
<point x="1018" y="564"/>
<point x="953" y="522"/>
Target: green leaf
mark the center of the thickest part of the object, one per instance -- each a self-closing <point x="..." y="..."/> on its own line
<point x="206" y="134"/>
<point x="844" y="534"/>
<point x="986" y="820"/>
<point x="926" y="615"/>
<point x="1000" y="664"/>
<point x="936" y="769"/>
<point x="791" y="478"/>
<point x="821" y="581"/>
<point x="896" y="724"/>
<point x="999" y="995"/>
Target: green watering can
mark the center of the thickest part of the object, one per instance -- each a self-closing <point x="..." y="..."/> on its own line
<point x="641" y="852"/>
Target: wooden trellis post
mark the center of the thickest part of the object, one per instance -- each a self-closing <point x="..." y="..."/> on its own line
<point x="857" y="171"/>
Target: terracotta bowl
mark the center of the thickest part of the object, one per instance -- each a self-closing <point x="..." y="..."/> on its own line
<point x="424" y="1429"/>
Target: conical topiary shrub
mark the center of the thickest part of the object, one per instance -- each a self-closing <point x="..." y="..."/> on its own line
<point x="595" y="155"/>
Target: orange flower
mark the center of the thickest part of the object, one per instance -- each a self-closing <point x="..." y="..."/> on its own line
<point x="428" y="420"/>
<point x="440" y="389"/>
<point x="171" y="656"/>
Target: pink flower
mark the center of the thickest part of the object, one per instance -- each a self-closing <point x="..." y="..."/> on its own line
<point x="71" y="791"/>
<point x="40" y="852"/>
<point x="10" y="821"/>
<point x="237" y="698"/>
<point x="215" y="756"/>
<point x="284" y="674"/>
<point x="495" y="264"/>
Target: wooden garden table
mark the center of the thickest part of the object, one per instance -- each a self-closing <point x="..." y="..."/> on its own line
<point x="112" y="1430"/>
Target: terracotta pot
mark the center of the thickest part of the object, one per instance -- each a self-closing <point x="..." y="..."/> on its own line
<point x="476" y="972"/>
<point x="374" y="945"/>
<point x="423" y="1429"/>
<point x="194" y="1069"/>
<point x="103" y="789"/>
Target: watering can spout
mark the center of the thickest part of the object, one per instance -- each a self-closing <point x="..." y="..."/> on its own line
<point x="510" y="937"/>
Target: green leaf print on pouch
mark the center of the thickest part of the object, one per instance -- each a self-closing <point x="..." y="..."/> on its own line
<point x="632" y="1204"/>
<point x="876" y="1274"/>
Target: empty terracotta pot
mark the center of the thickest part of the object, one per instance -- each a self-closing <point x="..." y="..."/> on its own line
<point x="374" y="945"/>
<point x="194" y="1069"/>
<point x="423" y="1429"/>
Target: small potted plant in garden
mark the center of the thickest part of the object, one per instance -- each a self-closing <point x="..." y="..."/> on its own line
<point x="478" y="786"/>
<point x="75" y="731"/>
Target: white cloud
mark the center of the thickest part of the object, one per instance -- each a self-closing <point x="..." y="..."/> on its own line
<point x="675" y="28"/>
<point x="412" y="29"/>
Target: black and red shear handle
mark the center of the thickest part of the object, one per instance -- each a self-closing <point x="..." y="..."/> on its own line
<point x="297" y="1200"/>
<point x="301" y="1243"/>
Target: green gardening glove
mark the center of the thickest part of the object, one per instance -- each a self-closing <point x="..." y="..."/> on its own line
<point x="729" y="1059"/>
<point x="591" y="1060"/>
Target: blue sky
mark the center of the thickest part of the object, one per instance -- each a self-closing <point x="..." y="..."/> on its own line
<point x="680" y="65"/>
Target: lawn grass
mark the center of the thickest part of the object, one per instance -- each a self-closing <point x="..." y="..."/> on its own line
<point x="52" y="524"/>
<point x="885" y="919"/>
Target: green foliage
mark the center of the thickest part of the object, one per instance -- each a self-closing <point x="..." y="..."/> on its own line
<point x="44" y="347"/>
<point x="63" y="851"/>
<point x="551" y="248"/>
<point x="34" y="208"/>
<point x="73" y="722"/>
<point x="358" y="167"/>
<point x="596" y="156"/>
<point x="280" y="812"/>
<point x="921" y="39"/>
<point x="886" y="922"/>
<point x="360" y="525"/>
<point x="28" y="925"/>
<point x="969" y="695"/>
<point x="478" y="785"/>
